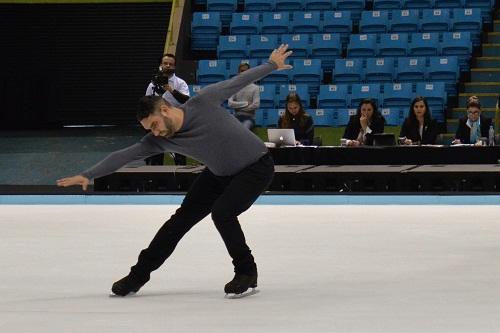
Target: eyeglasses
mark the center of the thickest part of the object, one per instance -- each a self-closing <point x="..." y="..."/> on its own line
<point x="473" y="112"/>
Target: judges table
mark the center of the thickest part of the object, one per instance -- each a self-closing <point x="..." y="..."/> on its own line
<point x="395" y="155"/>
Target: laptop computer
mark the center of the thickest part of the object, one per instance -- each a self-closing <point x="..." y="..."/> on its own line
<point x="281" y="136"/>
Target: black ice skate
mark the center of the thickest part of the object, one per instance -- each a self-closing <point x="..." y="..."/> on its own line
<point x="239" y="285"/>
<point x="129" y="285"/>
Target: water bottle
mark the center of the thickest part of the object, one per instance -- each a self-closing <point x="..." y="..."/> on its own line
<point x="491" y="136"/>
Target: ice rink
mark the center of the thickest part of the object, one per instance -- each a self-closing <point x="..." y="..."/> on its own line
<point x="341" y="268"/>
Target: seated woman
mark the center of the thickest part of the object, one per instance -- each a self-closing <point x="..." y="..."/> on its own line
<point x="419" y="127"/>
<point x="472" y="126"/>
<point x="296" y="118"/>
<point x="366" y="122"/>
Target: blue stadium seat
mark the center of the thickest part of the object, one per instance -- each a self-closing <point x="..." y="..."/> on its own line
<point x="261" y="46"/>
<point x="300" y="89"/>
<point x="374" y="22"/>
<point x="260" y="5"/>
<point x="410" y="69"/>
<point x="392" y="116"/>
<point x="348" y="70"/>
<point x="393" y="45"/>
<point x="355" y="6"/>
<point x="299" y="44"/>
<point x="405" y="20"/>
<point x="225" y="7"/>
<point x="364" y="45"/>
<point x="275" y="23"/>
<point x="386" y="4"/>
<point x="379" y="70"/>
<point x="444" y="68"/>
<point x="273" y="116"/>
<point x="434" y="92"/>
<point x="268" y="96"/>
<point x="327" y="48"/>
<point x="424" y="44"/>
<point x="305" y="22"/>
<point x="245" y="23"/>
<point x="456" y="43"/>
<point x="194" y="89"/>
<point x="205" y="31"/>
<point x="232" y="47"/>
<point x="277" y="77"/>
<point x="435" y="20"/>
<point x="397" y="95"/>
<point x="449" y="3"/>
<point x="260" y="117"/>
<point x="211" y="71"/>
<point x="485" y="5"/>
<point x="322" y="117"/>
<point x="234" y="65"/>
<point x="284" y="5"/>
<point x="418" y="3"/>
<point x="318" y="4"/>
<point x="333" y="96"/>
<point x="364" y="91"/>
<point x="307" y="71"/>
<point x="343" y="116"/>
<point x="338" y="22"/>
<point x="468" y="19"/>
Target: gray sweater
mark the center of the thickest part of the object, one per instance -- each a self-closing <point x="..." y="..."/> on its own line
<point x="246" y="101"/>
<point x="209" y="133"/>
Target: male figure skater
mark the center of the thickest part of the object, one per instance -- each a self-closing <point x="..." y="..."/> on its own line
<point x="239" y="168"/>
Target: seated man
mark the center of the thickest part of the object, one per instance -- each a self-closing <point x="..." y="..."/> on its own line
<point x="472" y="126"/>
<point x="246" y="101"/>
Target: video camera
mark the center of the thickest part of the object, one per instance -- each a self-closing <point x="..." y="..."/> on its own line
<point x="159" y="79"/>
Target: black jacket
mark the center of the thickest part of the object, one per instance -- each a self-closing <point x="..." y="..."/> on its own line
<point x="304" y="134"/>
<point x="463" y="131"/>
<point x="411" y="131"/>
<point x="353" y="127"/>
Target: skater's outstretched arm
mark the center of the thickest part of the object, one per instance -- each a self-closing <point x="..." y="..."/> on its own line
<point x="219" y="92"/>
<point x="113" y="162"/>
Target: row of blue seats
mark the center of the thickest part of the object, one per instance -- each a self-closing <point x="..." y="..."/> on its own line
<point x="277" y="5"/>
<point x="346" y="70"/>
<point x="348" y="96"/>
<point x="426" y="20"/>
<point x="329" y="117"/>
<point x="328" y="46"/>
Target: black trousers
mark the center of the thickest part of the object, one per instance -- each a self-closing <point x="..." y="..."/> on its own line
<point x="225" y="198"/>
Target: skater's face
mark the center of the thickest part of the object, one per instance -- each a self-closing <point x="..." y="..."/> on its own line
<point x="159" y="123"/>
<point x="293" y="108"/>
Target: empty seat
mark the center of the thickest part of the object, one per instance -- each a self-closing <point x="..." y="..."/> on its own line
<point x="205" y="31"/>
<point x="298" y="43"/>
<point x="449" y="3"/>
<point x="348" y="70"/>
<point x="306" y="22"/>
<point x="318" y="4"/>
<point x="194" y="89"/>
<point x="261" y="46"/>
<point x="393" y="45"/>
<point x="355" y="6"/>
<point x="456" y="43"/>
<point x="232" y="47"/>
<point x="443" y="68"/>
<point x="338" y="22"/>
<point x="260" y="5"/>
<point x="466" y="19"/>
<point x="418" y="3"/>
<point x="289" y="5"/>
<point x="210" y="71"/>
<point x="379" y="69"/>
<point x="322" y="117"/>
<point x="435" y="20"/>
<point x="327" y="48"/>
<point x="405" y="20"/>
<point x="300" y="89"/>
<point x="387" y="4"/>
<point x="343" y="116"/>
<point x="397" y="95"/>
<point x="364" y="45"/>
<point x="268" y="96"/>
<point x="364" y="91"/>
<point x="424" y="44"/>
<point x="333" y="96"/>
<point x="225" y="7"/>
<point x="275" y="23"/>
<point x="273" y="116"/>
<point x="245" y="23"/>
<point x="410" y="69"/>
<point x="392" y="115"/>
<point x="260" y="117"/>
<point x="374" y="22"/>
<point x="307" y="71"/>
<point x="435" y="94"/>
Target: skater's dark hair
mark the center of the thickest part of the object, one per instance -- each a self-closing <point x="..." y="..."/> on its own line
<point x="149" y="105"/>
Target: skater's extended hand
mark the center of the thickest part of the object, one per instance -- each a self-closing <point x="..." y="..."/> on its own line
<point x="75" y="180"/>
<point x="279" y="55"/>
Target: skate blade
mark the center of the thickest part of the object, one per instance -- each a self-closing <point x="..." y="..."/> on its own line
<point x="113" y="295"/>
<point x="242" y="295"/>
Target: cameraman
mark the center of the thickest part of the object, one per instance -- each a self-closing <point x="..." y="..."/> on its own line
<point x="174" y="90"/>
